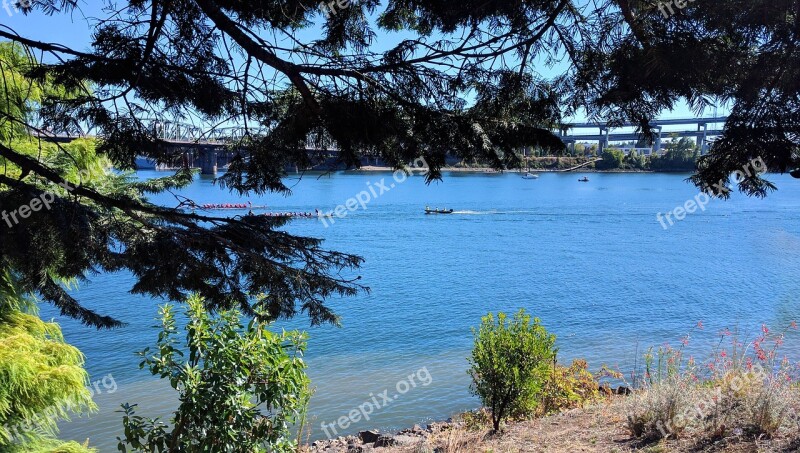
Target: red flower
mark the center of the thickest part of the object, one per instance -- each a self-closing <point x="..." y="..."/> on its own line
<point x="699" y="324"/>
<point x="793" y="324"/>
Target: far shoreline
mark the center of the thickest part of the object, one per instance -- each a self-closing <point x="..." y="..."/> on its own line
<point x="491" y="171"/>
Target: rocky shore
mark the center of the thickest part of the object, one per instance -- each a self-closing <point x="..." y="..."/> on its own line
<point x="416" y="436"/>
<point x="372" y="440"/>
<point x="600" y="427"/>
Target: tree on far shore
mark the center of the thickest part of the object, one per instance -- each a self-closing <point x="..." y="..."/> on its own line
<point x="612" y="159"/>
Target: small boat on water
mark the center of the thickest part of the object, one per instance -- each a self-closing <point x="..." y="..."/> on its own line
<point x="530" y="175"/>
<point x="584" y="179"/>
<point x="438" y="211"/>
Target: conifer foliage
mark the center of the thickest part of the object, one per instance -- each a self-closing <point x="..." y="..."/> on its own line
<point x="400" y="79"/>
<point x="42" y="379"/>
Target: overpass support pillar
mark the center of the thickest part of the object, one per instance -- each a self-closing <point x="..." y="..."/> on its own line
<point x="657" y="145"/>
<point x="604" y="132"/>
<point x="208" y="161"/>
<point x="701" y="138"/>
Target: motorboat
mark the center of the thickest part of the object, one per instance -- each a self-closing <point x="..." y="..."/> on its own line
<point x="584" y="179"/>
<point x="530" y="175"/>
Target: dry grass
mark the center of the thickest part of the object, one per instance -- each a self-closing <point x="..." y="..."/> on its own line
<point x="595" y="428"/>
<point x="741" y="404"/>
<point x="598" y="428"/>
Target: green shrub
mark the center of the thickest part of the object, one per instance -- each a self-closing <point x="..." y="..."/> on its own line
<point x="568" y="387"/>
<point x="474" y="420"/>
<point x="509" y="364"/>
<point x="241" y="388"/>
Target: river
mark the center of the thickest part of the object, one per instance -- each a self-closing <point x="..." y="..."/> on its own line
<point x="590" y="259"/>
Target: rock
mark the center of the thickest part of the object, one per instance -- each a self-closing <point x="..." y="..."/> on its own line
<point x="369" y="437"/>
<point x="385" y="441"/>
<point x="405" y="439"/>
<point x="622" y="390"/>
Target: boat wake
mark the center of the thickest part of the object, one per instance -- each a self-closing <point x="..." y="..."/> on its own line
<point x="470" y="212"/>
<point x="475" y="212"/>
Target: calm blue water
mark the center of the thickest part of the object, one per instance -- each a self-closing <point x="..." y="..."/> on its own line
<point x="589" y="259"/>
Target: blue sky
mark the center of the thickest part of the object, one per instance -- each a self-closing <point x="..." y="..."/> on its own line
<point x="73" y="31"/>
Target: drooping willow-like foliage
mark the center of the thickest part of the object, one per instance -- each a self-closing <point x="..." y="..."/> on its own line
<point x="42" y="379"/>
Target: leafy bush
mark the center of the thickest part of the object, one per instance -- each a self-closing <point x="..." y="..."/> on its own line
<point x="568" y="387"/>
<point x="473" y="421"/>
<point x="240" y="388"/>
<point x="509" y="364"/>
